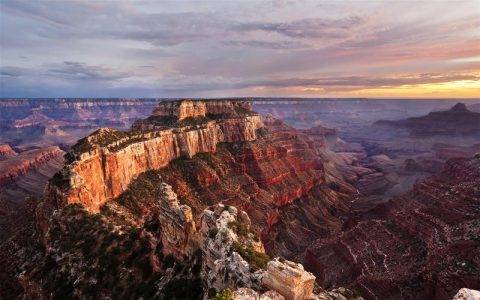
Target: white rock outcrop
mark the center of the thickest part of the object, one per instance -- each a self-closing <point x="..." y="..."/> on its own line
<point x="222" y="266"/>
<point x="249" y="294"/>
<point x="467" y="294"/>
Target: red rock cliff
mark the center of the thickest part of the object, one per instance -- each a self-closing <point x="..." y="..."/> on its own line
<point x="104" y="163"/>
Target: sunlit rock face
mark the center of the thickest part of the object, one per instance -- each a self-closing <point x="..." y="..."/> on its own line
<point x="181" y="110"/>
<point x="289" y="279"/>
<point x="103" y="164"/>
<point x="249" y="294"/>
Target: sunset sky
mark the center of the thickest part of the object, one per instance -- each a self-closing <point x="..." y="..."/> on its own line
<point x="428" y="49"/>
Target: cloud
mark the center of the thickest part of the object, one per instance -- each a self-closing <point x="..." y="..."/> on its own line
<point x="214" y="46"/>
<point x="276" y="45"/>
<point x="10" y="71"/>
<point x="71" y="70"/>
<point x="360" y="82"/>
<point x="306" y="28"/>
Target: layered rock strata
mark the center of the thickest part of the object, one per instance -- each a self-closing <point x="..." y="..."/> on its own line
<point x="20" y="164"/>
<point x="423" y="244"/>
<point x="194" y="109"/>
<point x="178" y="231"/>
<point x="289" y="279"/>
<point x="102" y="165"/>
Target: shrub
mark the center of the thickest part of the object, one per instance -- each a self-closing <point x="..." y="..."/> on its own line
<point x="239" y="228"/>
<point x="262" y="132"/>
<point x="255" y="259"/>
<point x="212" y="232"/>
<point x="226" y="294"/>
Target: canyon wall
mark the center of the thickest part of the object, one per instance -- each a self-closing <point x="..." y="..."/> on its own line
<point x="26" y="161"/>
<point x="102" y="170"/>
<point x="422" y="245"/>
<point x="192" y="109"/>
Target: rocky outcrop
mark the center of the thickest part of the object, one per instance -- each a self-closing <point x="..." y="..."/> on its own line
<point x="467" y="294"/>
<point x="178" y="231"/>
<point x="289" y="279"/>
<point x="232" y="255"/>
<point x="233" y="258"/>
<point x="6" y="152"/>
<point x="19" y="165"/>
<point x="249" y="294"/>
<point x="103" y="164"/>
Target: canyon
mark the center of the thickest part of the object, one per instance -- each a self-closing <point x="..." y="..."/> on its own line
<point x="212" y="197"/>
<point x="458" y="120"/>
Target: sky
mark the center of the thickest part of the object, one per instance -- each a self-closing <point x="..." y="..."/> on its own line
<point x="378" y="49"/>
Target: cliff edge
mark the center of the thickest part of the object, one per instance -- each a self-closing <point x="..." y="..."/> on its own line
<point x="101" y="166"/>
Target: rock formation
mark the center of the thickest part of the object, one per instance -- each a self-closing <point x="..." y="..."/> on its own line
<point x="178" y="231"/>
<point x="456" y="121"/>
<point x="102" y="165"/>
<point x="289" y="279"/>
<point x="181" y="110"/>
<point x="233" y="256"/>
<point x="249" y="294"/>
<point x="467" y="294"/>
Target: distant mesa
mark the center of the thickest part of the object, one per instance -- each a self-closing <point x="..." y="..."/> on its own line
<point x="458" y="120"/>
<point x="36" y="118"/>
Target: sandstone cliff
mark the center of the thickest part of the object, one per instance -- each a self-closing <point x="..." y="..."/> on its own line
<point x="102" y="165"/>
